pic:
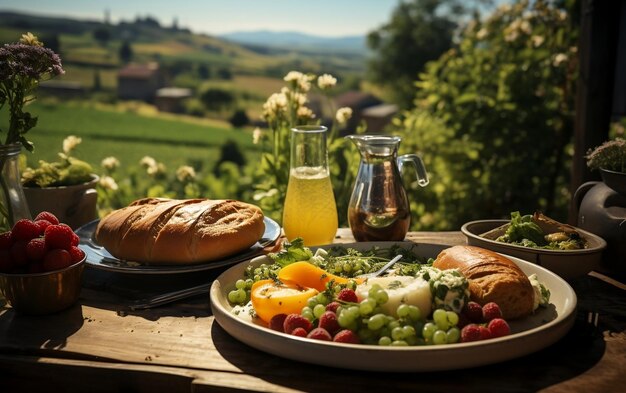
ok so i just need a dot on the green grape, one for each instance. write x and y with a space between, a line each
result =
376 322
399 343
397 333
393 324
366 334
232 296
384 340
415 314
249 283
322 298
453 335
345 319
408 331
306 309
453 318
439 337
441 319
428 330
351 284
240 284
412 340
366 307
354 311
312 302
381 296
372 291
308 314
318 310
347 268
385 331
403 310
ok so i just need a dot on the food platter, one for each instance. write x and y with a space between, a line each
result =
528 335
98 257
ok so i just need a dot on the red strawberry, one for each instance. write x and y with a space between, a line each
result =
76 253
18 253
300 332
499 327
56 259
277 322
473 311
6 262
490 311
42 224
470 333
347 295
293 321
36 249
328 321
346 336
75 239
333 306
51 218
59 236
319 334
6 240
25 230
485 334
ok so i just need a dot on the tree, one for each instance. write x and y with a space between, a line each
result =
204 72
217 99
229 152
224 73
239 118
97 83
102 35
126 52
418 32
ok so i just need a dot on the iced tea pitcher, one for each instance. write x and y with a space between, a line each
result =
379 208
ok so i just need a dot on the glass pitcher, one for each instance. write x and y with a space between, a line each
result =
379 208
310 211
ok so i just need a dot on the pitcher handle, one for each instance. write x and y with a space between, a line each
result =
418 164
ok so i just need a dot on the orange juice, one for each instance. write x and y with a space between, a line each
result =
310 211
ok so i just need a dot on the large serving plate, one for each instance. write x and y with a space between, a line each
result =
528 335
99 258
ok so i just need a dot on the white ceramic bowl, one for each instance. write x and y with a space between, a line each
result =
568 264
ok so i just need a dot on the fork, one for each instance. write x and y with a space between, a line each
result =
382 269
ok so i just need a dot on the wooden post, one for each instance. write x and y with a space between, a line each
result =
598 45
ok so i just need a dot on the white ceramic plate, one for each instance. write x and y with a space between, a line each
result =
528 335
98 257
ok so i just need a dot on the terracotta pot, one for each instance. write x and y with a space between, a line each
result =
73 205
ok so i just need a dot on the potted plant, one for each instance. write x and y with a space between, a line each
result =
610 159
66 187
22 66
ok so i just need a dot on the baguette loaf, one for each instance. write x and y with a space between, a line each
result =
169 231
492 278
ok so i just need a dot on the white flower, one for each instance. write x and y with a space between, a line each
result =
537 40
275 105
108 183
343 115
511 35
147 162
525 27
559 59
110 163
256 136
305 113
482 33
185 173
299 98
293 76
326 82
299 80
70 143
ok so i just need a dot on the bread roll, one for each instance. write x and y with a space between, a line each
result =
169 231
492 278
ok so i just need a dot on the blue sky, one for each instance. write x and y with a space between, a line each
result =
318 17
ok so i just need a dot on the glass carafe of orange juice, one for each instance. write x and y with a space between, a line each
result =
310 211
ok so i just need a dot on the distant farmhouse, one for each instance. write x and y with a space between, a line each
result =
170 99
139 82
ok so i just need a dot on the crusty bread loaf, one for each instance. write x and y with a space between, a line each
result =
492 278
169 231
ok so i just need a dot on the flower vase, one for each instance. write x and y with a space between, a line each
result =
13 205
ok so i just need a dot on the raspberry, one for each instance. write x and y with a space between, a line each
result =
36 249
300 332
277 322
490 311
499 327
470 333
56 259
6 240
293 321
346 336
347 295
25 230
18 253
76 253
58 236
485 334
333 306
319 334
42 224
328 321
473 311
51 218
75 239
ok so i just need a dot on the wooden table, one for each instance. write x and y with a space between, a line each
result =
96 347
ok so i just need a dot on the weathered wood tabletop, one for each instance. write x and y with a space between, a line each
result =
100 346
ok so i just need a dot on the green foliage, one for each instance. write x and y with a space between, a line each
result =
610 155
126 52
493 119
239 118
217 99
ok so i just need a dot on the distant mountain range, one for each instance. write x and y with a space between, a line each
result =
298 41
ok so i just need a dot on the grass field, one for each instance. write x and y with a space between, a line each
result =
130 136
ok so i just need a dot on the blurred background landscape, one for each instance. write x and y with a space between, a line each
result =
471 86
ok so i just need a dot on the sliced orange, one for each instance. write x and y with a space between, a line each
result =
305 274
271 298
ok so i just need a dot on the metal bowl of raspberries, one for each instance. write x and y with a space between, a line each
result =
41 266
